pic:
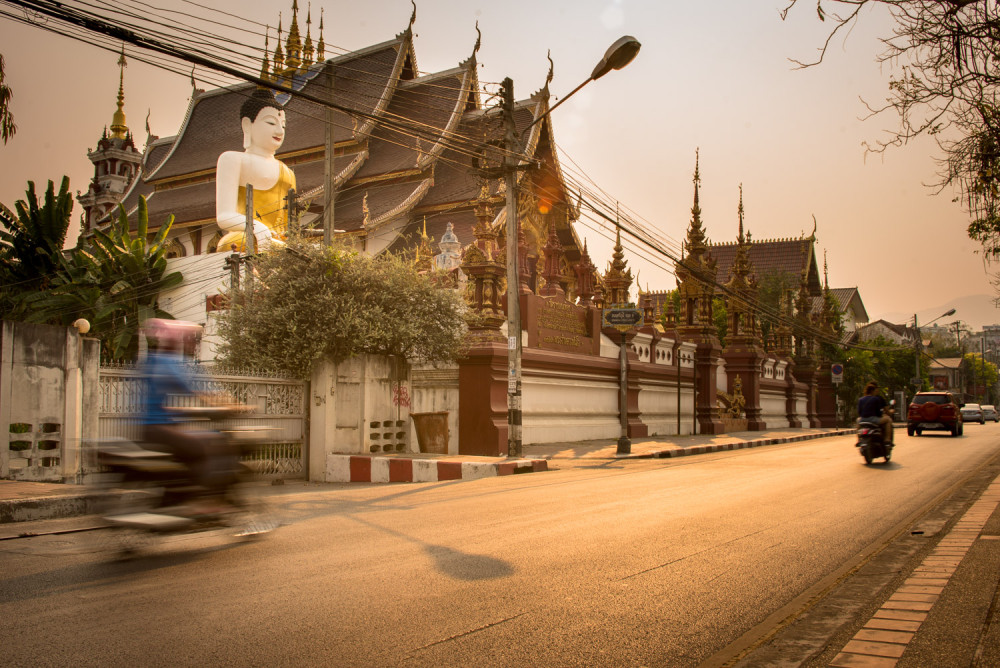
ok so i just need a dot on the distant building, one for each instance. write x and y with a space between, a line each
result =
945 374
903 335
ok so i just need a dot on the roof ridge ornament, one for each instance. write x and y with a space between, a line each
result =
552 69
413 16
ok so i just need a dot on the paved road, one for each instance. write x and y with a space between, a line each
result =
644 562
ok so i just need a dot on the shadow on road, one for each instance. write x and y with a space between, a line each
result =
451 562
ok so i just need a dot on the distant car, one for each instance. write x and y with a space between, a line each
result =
973 413
934 411
990 413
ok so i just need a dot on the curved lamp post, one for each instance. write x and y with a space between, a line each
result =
616 57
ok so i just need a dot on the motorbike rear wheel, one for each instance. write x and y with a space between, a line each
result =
867 454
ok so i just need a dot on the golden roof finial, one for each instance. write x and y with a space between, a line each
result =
740 212
279 55
321 45
307 48
118 128
366 213
265 69
293 45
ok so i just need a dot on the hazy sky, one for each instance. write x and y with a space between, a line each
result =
712 75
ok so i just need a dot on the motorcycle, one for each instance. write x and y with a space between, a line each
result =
148 493
871 441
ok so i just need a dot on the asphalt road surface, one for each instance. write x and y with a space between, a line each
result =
625 563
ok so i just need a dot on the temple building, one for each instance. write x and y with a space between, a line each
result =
401 162
116 164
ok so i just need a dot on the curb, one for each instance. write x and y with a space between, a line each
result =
362 468
703 449
54 507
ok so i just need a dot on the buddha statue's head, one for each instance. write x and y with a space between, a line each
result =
263 122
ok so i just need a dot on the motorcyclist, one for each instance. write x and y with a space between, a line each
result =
209 457
873 405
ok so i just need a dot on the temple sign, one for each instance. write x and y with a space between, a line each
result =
263 123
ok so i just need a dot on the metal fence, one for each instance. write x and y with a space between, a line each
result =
278 408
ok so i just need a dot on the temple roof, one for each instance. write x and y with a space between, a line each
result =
362 82
789 256
410 161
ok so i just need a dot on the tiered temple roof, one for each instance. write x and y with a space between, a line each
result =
404 179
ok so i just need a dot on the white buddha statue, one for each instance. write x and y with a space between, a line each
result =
263 123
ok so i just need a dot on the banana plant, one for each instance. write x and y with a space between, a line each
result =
31 245
114 281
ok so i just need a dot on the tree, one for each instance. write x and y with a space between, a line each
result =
31 245
7 127
311 302
982 375
947 89
114 281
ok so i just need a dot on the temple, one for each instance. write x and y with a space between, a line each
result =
392 180
399 165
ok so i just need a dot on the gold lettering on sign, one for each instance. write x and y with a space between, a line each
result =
562 318
562 340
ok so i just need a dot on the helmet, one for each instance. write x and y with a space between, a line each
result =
171 334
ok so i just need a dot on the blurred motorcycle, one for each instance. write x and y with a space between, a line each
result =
150 493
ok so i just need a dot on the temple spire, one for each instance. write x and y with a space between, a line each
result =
739 211
279 56
293 46
118 128
321 45
826 275
265 67
307 48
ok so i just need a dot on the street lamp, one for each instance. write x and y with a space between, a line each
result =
616 57
919 344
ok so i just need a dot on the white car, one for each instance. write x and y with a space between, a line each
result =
990 413
973 413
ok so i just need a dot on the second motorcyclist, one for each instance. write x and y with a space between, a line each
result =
873 405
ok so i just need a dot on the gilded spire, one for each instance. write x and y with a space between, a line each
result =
293 45
826 275
320 46
279 55
265 68
118 128
739 212
307 48
618 277
696 246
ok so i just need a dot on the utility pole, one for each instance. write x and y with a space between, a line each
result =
917 344
249 239
328 170
511 150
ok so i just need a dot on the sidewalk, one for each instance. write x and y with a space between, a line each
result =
29 501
